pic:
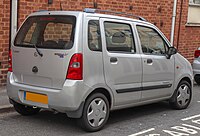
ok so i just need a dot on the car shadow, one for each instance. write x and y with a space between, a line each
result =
138 112
60 122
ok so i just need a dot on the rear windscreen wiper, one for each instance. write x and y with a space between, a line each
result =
38 51
27 44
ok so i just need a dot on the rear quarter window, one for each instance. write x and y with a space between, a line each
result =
94 36
49 32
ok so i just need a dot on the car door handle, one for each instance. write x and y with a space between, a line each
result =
113 60
149 61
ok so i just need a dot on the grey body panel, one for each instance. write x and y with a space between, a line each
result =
124 74
196 65
158 76
51 74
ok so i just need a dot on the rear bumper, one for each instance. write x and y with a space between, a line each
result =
69 99
196 67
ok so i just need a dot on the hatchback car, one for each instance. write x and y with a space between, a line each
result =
196 66
86 64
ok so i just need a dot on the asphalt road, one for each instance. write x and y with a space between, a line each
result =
150 120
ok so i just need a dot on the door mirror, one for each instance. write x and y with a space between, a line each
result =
171 52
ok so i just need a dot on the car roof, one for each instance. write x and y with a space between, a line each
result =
77 13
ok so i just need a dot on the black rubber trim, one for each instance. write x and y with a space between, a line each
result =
77 113
156 87
129 90
143 88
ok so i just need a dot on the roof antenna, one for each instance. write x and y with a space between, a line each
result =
61 6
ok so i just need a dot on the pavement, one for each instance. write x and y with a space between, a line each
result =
5 105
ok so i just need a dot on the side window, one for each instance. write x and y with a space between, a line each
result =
151 41
94 37
119 37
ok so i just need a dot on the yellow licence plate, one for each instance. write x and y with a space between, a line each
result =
35 97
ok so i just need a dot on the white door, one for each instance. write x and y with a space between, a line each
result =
122 63
158 71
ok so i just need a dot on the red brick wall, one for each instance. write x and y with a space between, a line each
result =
189 36
143 8
4 39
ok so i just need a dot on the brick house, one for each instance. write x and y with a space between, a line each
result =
159 12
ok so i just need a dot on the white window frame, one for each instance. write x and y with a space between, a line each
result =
193 14
192 2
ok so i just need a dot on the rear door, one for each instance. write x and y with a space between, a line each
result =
158 71
46 66
122 63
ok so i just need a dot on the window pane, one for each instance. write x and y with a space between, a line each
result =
58 32
151 41
50 32
28 36
94 37
196 1
119 37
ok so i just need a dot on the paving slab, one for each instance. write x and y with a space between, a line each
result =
5 105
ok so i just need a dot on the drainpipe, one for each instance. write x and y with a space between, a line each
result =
13 19
179 25
173 22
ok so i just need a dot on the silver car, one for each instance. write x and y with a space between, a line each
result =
196 66
86 64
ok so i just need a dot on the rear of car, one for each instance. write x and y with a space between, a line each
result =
196 66
46 62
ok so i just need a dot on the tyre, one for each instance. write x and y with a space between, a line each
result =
25 110
182 96
95 113
197 79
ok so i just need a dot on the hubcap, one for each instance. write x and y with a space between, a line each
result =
183 95
96 112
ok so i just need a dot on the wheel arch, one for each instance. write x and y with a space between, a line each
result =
186 77
105 92
173 100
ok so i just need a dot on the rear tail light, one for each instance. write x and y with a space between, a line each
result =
197 53
75 68
10 61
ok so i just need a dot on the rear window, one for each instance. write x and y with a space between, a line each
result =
49 32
